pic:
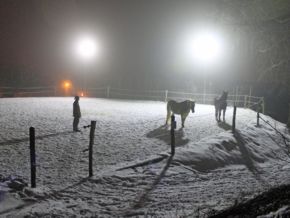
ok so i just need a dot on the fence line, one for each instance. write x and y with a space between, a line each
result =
152 91
98 88
134 95
44 87
246 101
43 91
31 92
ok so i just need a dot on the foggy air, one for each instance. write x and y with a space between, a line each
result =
144 108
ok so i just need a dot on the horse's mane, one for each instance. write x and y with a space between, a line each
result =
224 96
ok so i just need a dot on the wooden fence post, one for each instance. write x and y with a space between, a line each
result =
166 95
258 118
173 126
250 95
108 91
32 156
237 92
263 105
288 123
92 136
245 101
234 119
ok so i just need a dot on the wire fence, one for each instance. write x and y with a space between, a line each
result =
273 126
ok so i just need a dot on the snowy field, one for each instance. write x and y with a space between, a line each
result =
211 170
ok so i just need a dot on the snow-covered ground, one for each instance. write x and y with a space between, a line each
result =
211 170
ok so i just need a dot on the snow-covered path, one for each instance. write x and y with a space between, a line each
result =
128 132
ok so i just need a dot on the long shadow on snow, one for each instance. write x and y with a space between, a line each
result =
15 141
224 125
244 151
141 201
162 133
54 194
248 158
284 149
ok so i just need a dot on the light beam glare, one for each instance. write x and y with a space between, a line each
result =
204 47
87 48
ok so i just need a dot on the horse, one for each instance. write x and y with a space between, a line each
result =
182 108
221 105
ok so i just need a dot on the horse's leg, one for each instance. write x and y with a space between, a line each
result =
183 117
220 113
224 114
182 121
216 113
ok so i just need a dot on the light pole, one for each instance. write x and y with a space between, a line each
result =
205 48
86 48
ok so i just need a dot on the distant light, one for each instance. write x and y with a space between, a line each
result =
87 48
205 47
81 93
66 84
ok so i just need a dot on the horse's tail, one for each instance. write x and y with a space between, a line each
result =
215 101
169 105
169 108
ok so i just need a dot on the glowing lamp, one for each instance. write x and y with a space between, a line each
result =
205 47
86 48
66 84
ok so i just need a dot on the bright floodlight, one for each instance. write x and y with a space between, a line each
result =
87 48
205 47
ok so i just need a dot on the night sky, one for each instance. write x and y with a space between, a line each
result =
139 41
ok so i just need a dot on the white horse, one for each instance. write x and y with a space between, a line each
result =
182 108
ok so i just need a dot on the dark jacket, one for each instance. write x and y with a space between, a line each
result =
76 109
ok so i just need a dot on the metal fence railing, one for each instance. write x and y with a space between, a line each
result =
246 101
27 91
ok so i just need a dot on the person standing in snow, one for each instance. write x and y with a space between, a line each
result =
76 114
